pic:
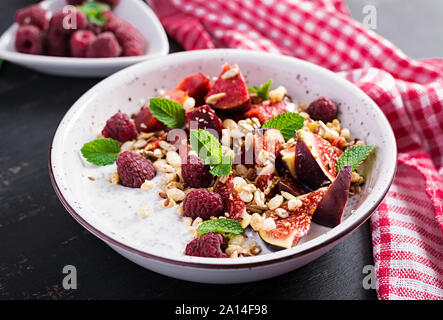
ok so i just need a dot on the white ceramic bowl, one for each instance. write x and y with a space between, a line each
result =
114 219
136 12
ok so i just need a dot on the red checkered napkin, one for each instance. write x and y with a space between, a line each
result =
407 227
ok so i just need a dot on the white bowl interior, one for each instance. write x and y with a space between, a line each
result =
114 213
134 11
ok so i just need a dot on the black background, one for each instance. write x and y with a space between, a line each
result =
38 237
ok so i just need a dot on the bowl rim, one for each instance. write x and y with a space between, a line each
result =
214 263
13 55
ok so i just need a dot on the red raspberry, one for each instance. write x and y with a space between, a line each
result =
204 117
29 39
146 122
210 245
133 169
34 15
113 22
195 173
202 203
120 127
58 20
104 46
80 42
131 40
57 43
323 109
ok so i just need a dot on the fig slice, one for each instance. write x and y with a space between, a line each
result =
330 208
236 97
292 186
197 86
287 161
296 225
315 159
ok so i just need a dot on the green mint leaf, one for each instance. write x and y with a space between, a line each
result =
288 123
93 10
209 149
354 156
101 152
167 111
263 90
224 226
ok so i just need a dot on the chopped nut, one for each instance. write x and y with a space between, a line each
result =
294 204
282 213
173 159
275 202
189 103
180 209
287 195
245 127
277 94
356 178
187 221
239 183
166 146
304 115
212 99
226 138
237 240
127 146
167 203
246 196
231 73
268 224
157 153
169 177
198 221
147 185
144 212
256 221
176 194
230 124
115 178
259 199
140 144
345 133
254 249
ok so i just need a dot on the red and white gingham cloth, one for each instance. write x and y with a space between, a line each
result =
407 228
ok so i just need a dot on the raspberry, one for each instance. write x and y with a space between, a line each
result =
57 43
29 39
195 173
113 22
80 42
34 15
120 127
146 122
61 18
133 169
210 245
104 46
323 109
131 40
204 117
202 203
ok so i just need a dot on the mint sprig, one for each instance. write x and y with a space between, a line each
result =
101 152
354 156
209 149
168 111
263 90
93 12
224 226
288 123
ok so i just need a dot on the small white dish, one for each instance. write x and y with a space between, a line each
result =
136 12
158 242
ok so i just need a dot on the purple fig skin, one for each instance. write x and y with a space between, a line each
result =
306 167
330 208
293 187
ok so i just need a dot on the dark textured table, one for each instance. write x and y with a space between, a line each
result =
38 237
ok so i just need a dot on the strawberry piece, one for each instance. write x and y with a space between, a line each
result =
197 86
237 96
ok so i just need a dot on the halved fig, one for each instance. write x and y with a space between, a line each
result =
315 159
197 86
296 225
146 122
236 97
330 208
232 204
